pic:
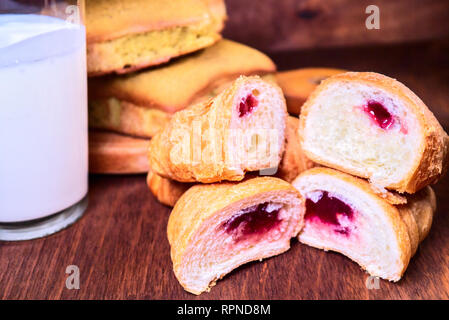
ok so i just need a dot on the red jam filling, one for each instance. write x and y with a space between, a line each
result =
247 105
379 114
327 209
251 221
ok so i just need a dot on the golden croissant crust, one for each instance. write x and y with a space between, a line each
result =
374 127
293 162
214 228
344 214
241 129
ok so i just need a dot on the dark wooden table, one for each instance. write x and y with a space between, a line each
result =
122 252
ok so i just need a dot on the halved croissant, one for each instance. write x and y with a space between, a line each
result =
344 214
214 228
374 127
293 162
242 129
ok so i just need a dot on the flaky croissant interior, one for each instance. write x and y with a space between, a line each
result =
344 217
255 139
241 129
364 129
252 229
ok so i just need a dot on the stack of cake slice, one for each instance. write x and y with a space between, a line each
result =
149 59
128 35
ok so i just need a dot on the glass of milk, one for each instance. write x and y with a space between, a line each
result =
43 117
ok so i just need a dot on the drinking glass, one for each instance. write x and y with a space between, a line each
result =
43 117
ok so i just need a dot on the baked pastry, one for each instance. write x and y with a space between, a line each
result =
113 153
422 205
141 103
293 162
344 214
298 84
127 35
374 127
165 190
214 228
241 129
125 117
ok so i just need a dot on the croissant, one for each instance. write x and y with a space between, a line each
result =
214 228
374 127
293 162
298 84
241 129
165 190
344 214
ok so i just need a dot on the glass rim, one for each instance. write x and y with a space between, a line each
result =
69 10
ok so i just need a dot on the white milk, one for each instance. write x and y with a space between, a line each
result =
43 116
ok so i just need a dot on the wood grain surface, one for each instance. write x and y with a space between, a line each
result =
122 252
276 25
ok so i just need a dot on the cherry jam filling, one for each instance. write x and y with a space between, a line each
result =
247 105
329 210
257 219
379 114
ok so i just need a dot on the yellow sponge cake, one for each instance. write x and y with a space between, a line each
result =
127 35
141 103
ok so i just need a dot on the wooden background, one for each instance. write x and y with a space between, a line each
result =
121 248
279 25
